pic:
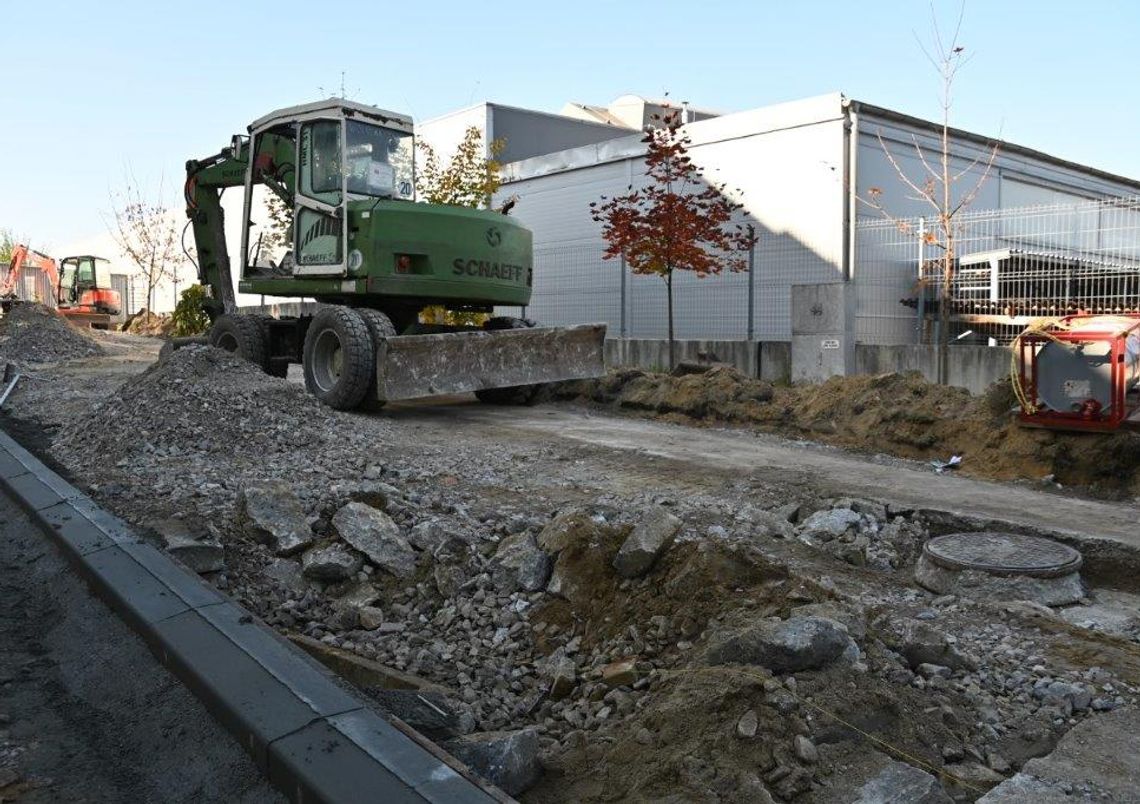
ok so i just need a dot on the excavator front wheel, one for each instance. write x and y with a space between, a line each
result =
242 335
339 358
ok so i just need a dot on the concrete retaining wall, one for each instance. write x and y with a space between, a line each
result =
971 367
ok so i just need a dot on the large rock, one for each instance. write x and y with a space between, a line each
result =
520 564
199 552
649 539
373 533
920 643
287 573
567 528
272 514
1094 761
331 563
831 523
799 643
899 783
507 759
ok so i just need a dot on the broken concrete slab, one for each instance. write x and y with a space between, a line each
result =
199 552
507 759
788 646
272 514
519 563
900 783
372 532
649 539
333 562
1095 761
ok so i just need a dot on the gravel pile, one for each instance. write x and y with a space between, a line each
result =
31 333
637 643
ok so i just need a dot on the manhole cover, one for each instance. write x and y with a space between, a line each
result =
1003 554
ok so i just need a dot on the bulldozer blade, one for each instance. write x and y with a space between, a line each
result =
412 366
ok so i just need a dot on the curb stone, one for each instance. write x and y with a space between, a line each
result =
315 741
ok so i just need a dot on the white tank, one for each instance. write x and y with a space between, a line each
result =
1069 374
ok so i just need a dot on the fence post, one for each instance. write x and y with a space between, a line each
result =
752 283
921 287
622 327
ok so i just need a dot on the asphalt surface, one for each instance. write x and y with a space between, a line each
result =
86 713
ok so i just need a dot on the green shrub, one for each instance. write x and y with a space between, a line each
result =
190 314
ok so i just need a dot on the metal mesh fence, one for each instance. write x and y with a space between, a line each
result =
1009 267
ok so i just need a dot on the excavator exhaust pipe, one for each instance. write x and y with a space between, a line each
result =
413 366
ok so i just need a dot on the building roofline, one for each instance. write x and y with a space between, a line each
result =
535 112
1004 146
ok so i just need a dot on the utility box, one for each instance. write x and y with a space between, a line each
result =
823 331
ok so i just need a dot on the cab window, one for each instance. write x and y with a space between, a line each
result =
320 173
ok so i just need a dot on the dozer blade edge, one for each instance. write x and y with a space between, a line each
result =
413 366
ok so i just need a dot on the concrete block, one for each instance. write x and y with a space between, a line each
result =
79 533
302 675
178 580
243 695
318 763
33 493
130 589
823 331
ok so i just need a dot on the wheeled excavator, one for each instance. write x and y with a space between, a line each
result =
373 257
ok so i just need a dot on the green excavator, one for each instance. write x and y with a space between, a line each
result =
374 258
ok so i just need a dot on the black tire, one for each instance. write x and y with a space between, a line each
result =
380 326
339 358
512 394
242 335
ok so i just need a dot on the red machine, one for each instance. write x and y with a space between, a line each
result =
83 293
1080 372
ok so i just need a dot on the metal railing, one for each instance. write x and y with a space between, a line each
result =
1009 267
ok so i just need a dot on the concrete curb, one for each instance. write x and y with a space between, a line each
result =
315 741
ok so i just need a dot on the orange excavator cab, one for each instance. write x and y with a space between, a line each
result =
82 291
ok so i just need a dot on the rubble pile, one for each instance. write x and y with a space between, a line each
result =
32 333
579 643
898 414
145 322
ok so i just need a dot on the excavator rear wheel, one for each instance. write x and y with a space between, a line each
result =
380 326
339 358
242 335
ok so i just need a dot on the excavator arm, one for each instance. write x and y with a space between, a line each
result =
206 180
24 257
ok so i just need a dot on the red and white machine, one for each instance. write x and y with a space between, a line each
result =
1080 372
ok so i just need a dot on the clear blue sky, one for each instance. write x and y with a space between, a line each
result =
90 88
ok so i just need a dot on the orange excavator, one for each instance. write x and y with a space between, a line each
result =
82 291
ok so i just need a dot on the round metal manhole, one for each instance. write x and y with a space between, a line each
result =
1003 554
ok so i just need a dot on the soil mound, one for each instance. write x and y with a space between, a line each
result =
199 401
146 323
32 333
896 414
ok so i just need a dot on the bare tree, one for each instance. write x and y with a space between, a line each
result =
937 187
147 230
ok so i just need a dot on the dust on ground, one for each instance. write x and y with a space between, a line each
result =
513 605
898 414
31 334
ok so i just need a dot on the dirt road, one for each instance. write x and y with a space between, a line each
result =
719 452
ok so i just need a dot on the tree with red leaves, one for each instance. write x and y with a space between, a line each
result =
677 222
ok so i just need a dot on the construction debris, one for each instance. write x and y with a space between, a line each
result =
31 333
657 637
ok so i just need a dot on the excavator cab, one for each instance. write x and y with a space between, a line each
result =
84 295
318 159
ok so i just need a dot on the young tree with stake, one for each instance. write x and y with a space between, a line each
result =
148 233
937 186
677 222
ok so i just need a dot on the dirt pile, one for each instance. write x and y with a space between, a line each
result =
145 322
895 414
32 333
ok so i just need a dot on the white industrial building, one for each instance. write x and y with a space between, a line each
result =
798 168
